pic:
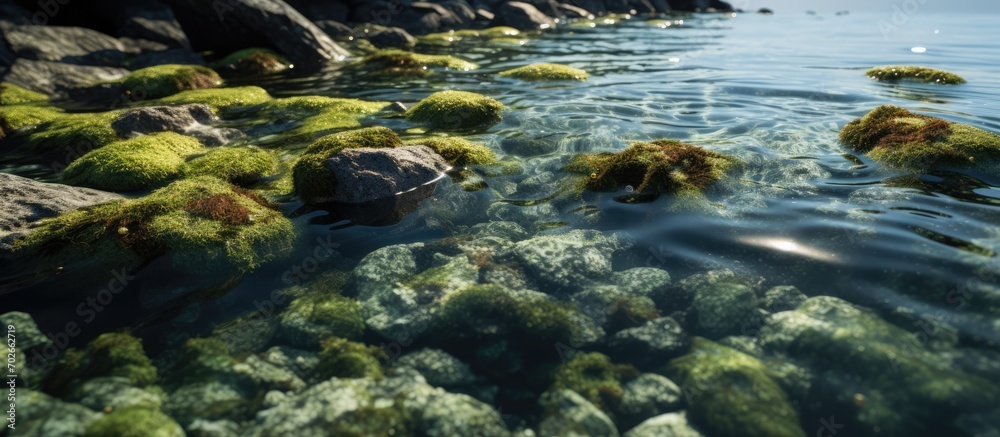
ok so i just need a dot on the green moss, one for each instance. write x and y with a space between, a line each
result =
134 421
629 312
456 110
316 115
16 117
111 354
343 358
239 165
143 162
900 138
457 151
74 133
321 314
662 166
596 378
201 360
546 72
206 224
474 35
398 62
374 420
312 178
892 73
732 394
164 80
252 61
220 99
14 95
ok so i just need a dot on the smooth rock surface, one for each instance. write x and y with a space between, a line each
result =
190 120
366 174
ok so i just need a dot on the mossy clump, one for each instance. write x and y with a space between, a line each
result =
252 61
398 62
315 115
134 421
900 138
204 223
494 34
74 134
593 376
546 72
459 152
220 99
15 117
143 162
164 80
312 178
14 95
732 394
456 110
892 73
629 312
239 165
201 360
310 318
657 167
110 354
343 358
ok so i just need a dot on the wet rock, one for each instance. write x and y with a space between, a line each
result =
301 363
666 425
39 414
153 21
311 318
503 229
26 201
213 428
782 298
526 216
522 16
190 120
208 401
647 396
70 45
63 80
569 414
421 18
642 281
392 37
568 260
438 367
164 57
365 174
651 344
680 296
269 376
27 332
112 391
724 308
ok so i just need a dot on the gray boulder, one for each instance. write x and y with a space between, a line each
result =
642 281
569 415
366 174
153 21
652 344
70 45
438 367
60 79
573 259
190 120
41 415
26 201
665 425
522 16
725 308
647 396
392 37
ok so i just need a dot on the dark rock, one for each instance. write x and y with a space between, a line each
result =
651 344
765 11
12 13
547 7
522 16
571 11
190 120
421 18
460 9
392 37
365 174
71 45
319 10
26 201
720 6
153 21
56 78
173 56
689 5
335 28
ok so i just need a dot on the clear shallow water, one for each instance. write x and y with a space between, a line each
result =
773 90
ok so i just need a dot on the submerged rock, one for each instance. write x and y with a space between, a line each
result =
569 414
647 396
666 425
651 344
39 414
598 380
892 73
568 260
900 138
546 72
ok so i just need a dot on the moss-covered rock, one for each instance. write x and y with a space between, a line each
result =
499 34
252 61
239 165
892 73
402 63
732 394
206 224
74 134
596 378
629 312
900 138
546 72
220 99
459 152
111 354
315 316
14 117
314 115
658 167
164 80
11 94
134 421
312 177
456 110
342 358
143 162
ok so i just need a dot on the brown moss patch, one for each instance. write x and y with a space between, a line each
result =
219 207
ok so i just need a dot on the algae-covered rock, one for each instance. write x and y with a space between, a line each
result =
456 110
311 116
343 358
501 34
665 425
458 151
143 162
11 94
900 138
567 260
111 354
398 62
724 308
39 414
239 165
70 134
114 392
252 61
546 72
164 80
651 344
658 167
569 414
15 117
205 224
220 99
892 73
192 120
859 358
647 396
732 394
597 379
134 421
315 316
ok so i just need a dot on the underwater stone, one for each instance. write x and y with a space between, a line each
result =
134 420
266 375
897 137
503 229
642 281
892 73
39 414
782 298
115 392
647 396
213 428
569 414
724 308
565 261
652 343
313 317
666 425
438 367
208 400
